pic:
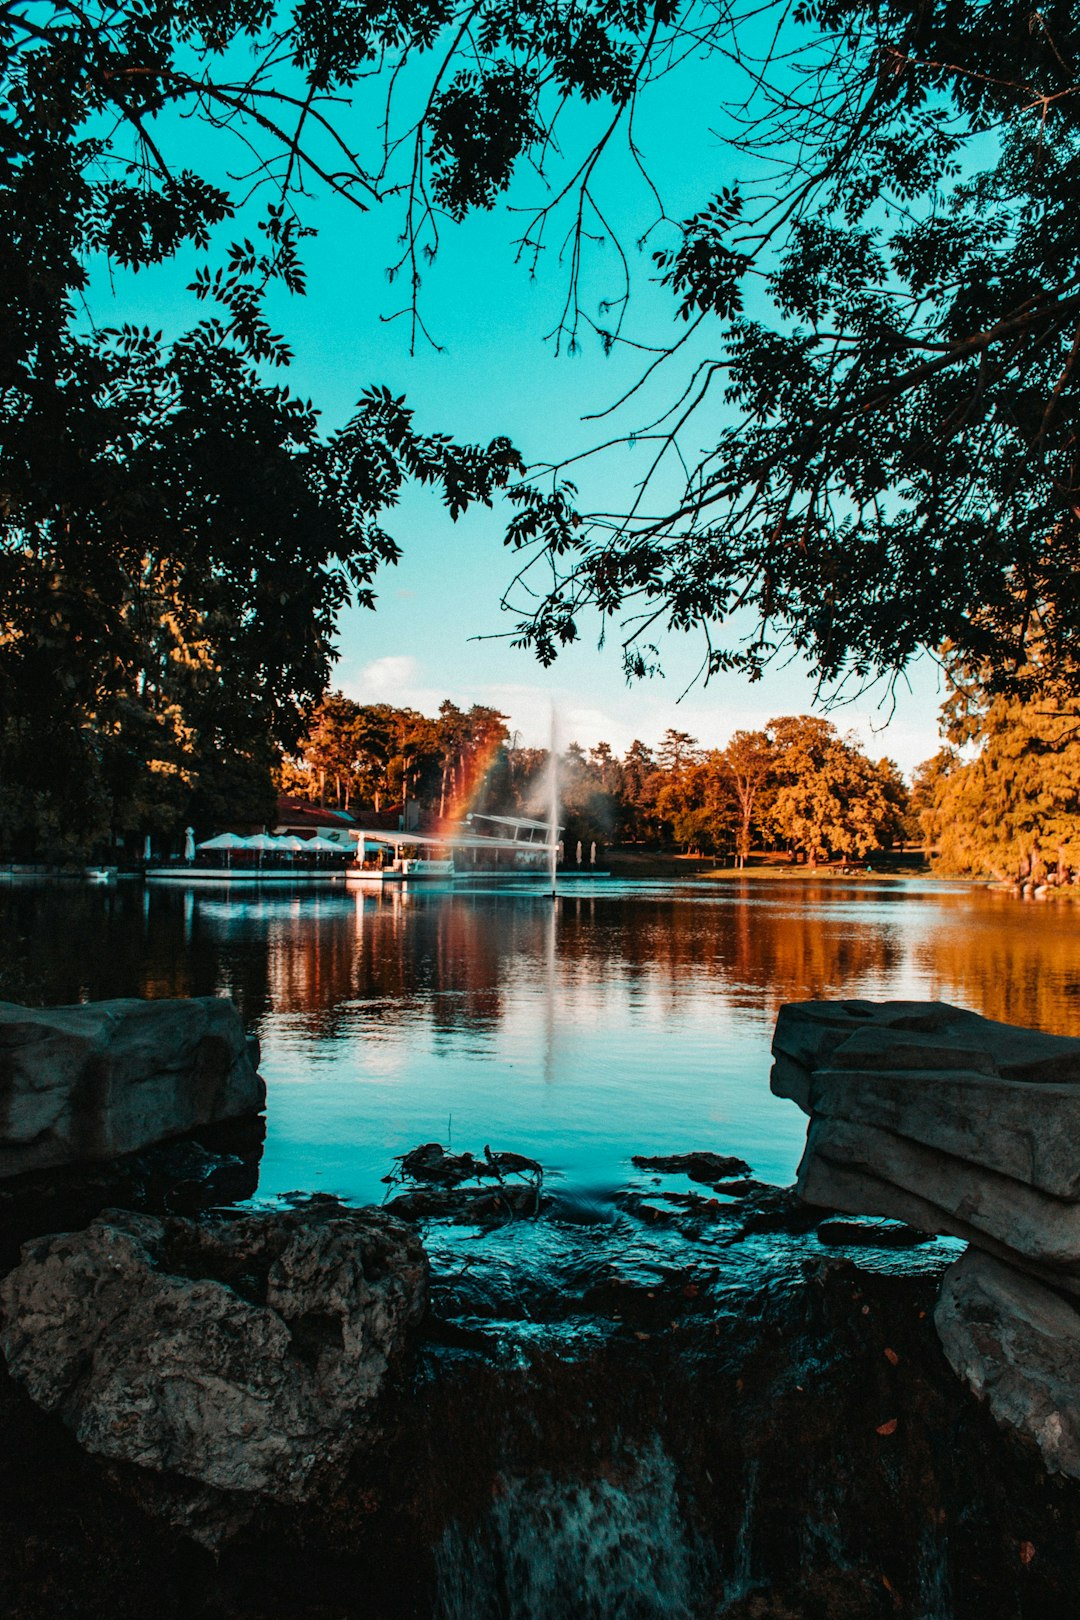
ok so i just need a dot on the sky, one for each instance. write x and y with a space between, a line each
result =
438 631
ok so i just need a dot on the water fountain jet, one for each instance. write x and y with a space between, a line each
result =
553 805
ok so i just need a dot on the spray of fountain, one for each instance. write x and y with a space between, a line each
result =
553 805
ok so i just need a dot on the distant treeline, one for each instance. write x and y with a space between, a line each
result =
798 784
1001 799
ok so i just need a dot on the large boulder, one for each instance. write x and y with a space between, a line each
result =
963 1126
936 1116
89 1083
1016 1343
245 1353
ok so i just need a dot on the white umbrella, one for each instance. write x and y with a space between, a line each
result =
324 846
223 841
189 843
290 843
261 842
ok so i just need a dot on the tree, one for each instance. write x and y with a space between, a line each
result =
898 462
469 741
832 799
899 466
140 578
927 786
750 762
676 748
698 802
640 779
1011 808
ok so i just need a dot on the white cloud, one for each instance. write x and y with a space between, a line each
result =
389 674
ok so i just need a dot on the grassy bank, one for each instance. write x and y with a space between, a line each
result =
633 862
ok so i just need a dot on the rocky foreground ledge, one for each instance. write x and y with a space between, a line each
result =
90 1084
957 1124
494 1399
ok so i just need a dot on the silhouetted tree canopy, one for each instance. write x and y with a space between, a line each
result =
890 306
877 334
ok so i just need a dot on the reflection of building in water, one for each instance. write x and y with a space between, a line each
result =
400 954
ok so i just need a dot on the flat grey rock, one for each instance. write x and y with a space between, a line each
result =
999 1124
1045 1230
959 1125
921 1035
1016 1344
83 1084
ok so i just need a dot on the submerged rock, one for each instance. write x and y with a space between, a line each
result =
439 1189
709 1168
243 1353
86 1084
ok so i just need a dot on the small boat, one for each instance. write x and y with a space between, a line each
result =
100 874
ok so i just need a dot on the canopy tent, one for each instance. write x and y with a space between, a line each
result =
267 844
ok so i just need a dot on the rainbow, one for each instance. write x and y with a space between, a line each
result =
472 773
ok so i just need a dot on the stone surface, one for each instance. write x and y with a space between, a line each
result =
90 1083
245 1353
1016 1343
967 1199
810 1032
959 1125
1028 1134
929 1113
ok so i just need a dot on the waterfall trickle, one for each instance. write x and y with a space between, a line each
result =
562 1549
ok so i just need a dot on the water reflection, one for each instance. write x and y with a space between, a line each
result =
620 1019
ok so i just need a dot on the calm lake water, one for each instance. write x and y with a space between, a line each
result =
626 1018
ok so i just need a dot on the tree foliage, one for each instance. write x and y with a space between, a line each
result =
177 537
832 799
798 781
881 313
890 300
1003 799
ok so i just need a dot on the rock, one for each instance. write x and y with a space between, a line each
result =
809 1033
870 1235
708 1168
935 1116
956 1124
1016 1343
214 1166
91 1083
973 1116
965 1199
245 1353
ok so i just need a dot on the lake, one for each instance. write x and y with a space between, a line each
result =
625 1018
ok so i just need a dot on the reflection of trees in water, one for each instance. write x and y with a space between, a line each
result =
1007 960
784 951
87 943
441 958
454 961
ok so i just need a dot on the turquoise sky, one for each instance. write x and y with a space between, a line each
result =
497 375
